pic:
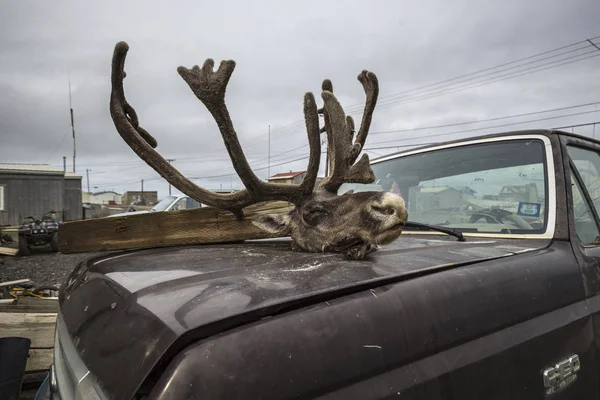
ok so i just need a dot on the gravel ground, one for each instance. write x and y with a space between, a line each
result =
42 266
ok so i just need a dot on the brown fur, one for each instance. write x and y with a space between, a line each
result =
322 221
354 223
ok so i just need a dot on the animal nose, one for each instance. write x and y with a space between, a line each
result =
385 210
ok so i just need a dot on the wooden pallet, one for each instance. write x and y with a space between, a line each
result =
35 319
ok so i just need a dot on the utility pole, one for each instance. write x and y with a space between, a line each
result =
72 122
87 172
142 187
170 160
269 170
64 164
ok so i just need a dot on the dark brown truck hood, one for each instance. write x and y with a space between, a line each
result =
127 312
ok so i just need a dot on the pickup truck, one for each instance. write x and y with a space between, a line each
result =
492 293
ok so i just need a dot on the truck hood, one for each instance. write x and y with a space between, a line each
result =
126 312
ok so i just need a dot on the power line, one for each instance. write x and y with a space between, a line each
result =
57 147
470 122
491 127
384 99
433 143
519 73
546 66
193 159
392 99
487 119
461 131
428 127
417 97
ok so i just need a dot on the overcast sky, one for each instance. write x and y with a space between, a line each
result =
282 50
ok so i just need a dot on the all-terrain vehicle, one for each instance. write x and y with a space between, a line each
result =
38 232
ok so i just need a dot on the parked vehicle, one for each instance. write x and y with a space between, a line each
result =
35 231
493 292
167 204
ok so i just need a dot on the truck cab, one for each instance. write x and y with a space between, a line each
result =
493 293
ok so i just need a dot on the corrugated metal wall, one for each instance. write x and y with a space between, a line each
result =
29 194
73 207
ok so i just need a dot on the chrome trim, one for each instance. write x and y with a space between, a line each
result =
71 377
551 184
52 380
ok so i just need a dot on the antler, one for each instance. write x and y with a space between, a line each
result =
210 86
340 131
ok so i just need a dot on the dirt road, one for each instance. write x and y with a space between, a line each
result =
42 266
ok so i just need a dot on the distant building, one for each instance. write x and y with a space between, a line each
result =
294 178
438 198
105 197
288 177
140 198
35 189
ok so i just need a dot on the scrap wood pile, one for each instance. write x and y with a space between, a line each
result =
316 218
29 311
5 238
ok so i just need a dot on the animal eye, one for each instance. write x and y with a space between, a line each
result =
313 217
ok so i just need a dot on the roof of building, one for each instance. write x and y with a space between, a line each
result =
287 175
72 175
105 191
31 169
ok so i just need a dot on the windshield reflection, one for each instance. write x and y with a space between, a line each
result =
163 204
494 187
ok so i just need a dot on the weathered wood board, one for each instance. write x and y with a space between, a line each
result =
35 319
33 305
38 327
39 360
7 251
196 226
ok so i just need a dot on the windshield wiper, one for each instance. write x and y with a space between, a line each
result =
451 232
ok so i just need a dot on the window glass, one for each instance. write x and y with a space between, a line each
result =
492 187
587 163
586 229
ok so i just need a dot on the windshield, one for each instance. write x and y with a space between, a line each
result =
163 204
493 187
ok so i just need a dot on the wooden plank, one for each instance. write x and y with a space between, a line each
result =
15 283
7 251
196 226
36 308
38 327
29 300
27 304
39 360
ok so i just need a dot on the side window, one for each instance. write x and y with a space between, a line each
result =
585 226
587 163
180 205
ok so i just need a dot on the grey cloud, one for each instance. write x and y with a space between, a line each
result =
282 50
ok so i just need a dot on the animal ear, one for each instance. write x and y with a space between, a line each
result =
273 223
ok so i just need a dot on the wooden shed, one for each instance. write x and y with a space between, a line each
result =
35 189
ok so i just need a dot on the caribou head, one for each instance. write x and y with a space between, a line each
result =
322 220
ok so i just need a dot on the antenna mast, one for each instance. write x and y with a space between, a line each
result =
72 122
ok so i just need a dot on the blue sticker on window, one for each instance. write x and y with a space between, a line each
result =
529 209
